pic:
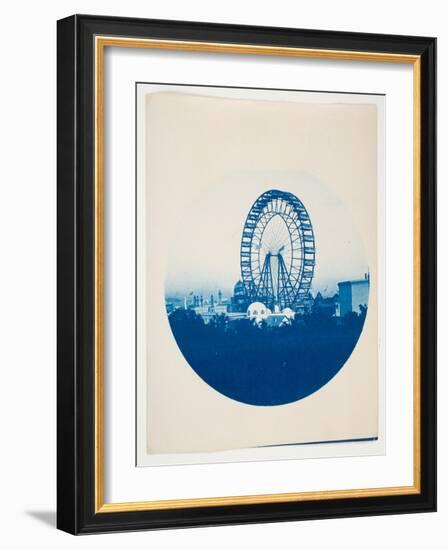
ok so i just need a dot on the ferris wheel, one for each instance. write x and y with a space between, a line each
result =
277 251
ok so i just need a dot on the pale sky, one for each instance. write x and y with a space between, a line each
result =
205 256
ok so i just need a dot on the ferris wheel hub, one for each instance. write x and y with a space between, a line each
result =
277 251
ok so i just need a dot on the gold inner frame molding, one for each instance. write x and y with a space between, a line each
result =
101 42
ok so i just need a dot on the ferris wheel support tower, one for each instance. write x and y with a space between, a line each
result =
278 251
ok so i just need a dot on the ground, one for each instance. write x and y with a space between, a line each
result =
266 365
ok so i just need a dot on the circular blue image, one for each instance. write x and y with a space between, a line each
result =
283 330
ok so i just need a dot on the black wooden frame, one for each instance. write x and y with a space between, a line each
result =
75 405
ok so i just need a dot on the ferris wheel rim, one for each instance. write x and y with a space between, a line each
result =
297 280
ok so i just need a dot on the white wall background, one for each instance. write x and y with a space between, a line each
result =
28 273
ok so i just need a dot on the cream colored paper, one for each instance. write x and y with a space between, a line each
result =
196 146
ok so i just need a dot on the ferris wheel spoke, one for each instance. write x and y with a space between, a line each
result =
272 250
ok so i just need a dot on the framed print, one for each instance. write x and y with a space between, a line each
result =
246 274
254 286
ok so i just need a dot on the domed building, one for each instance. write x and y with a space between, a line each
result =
239 299
288 313
257 312
238 289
